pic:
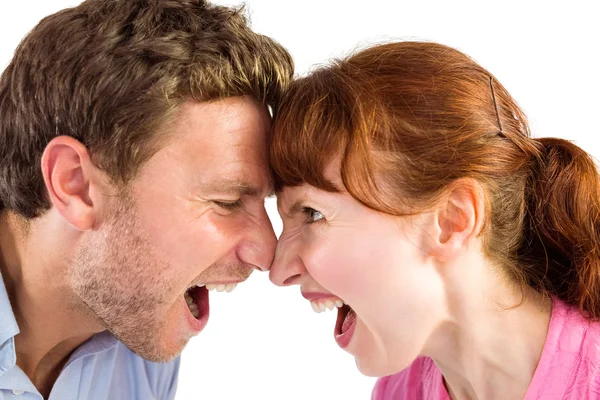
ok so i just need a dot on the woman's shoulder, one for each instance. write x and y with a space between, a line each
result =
570 363
421 380
571 332
588 368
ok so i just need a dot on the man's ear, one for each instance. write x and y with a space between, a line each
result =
459 218
72 181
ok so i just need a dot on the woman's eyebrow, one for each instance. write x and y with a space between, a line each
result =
298 206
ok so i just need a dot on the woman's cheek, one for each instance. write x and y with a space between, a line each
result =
339 268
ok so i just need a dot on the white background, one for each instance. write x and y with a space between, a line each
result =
264 342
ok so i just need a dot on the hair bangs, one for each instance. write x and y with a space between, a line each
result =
312 128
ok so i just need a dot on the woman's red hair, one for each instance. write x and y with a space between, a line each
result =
410 118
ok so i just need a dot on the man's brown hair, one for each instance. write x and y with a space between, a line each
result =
111 73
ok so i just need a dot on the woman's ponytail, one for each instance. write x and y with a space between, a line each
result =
560 250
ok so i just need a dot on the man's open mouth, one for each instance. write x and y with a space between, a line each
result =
197 301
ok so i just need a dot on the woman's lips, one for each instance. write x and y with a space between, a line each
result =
318 296
321 301
345 326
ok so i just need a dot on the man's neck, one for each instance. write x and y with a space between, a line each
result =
51 323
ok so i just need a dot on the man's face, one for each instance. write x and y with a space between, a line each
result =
194 215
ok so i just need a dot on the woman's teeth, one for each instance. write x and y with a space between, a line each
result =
221 287
320 306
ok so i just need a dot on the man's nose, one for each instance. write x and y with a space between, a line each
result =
261 241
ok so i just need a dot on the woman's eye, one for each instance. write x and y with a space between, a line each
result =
312 215
229 205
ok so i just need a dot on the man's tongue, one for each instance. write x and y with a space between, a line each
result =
348 320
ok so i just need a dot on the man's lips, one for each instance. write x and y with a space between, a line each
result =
226 282
221 285
225 285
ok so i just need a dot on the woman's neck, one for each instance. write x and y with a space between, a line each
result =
491 343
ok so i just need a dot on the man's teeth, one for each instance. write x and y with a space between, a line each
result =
222 287
194 310
320 306
191 305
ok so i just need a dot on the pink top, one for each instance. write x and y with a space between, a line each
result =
569 368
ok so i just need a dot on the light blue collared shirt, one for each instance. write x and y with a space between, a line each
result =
102 368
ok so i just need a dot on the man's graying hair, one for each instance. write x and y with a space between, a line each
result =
111 73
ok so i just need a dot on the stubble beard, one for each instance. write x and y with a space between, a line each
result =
116 276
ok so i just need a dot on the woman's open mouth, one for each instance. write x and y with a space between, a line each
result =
345 326
346 317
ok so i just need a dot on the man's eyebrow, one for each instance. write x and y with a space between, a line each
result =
240 188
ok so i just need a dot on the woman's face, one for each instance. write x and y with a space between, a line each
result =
336 249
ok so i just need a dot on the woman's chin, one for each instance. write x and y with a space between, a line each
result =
374 369
377 366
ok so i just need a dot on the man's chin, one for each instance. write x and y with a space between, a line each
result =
159 354
153 347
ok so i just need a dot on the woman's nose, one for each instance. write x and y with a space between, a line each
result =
287 268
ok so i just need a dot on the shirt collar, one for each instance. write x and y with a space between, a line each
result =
8 330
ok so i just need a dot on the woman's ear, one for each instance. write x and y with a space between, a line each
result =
72 181
459 218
